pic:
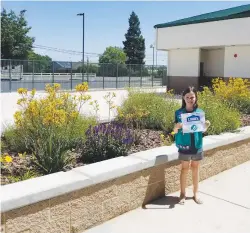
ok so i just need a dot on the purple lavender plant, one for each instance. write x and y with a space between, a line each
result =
106 141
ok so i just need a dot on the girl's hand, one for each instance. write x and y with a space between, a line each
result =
177 127
207 124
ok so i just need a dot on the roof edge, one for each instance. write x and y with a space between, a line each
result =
190 20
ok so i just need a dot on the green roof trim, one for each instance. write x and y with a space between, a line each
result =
242 11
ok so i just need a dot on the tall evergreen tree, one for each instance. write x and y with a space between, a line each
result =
134 45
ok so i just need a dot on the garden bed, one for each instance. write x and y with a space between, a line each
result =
57 137
22 168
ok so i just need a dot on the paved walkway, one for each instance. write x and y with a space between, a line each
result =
226 209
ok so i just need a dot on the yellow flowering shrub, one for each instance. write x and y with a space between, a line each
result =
6 158
12 171
167 140
82 87
234 87
236 92
52 125
5 162
223 117
56 109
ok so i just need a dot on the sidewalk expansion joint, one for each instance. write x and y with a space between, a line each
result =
225 200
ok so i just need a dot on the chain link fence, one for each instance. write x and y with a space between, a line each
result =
36 74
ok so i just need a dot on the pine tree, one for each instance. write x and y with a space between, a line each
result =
134 45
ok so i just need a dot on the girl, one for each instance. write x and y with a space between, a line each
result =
189 144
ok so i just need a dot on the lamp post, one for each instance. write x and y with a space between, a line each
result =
152 46
156 58
82 14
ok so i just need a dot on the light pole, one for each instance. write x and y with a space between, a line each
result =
82 14
152 46
156 58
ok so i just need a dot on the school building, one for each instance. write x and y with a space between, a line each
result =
206 46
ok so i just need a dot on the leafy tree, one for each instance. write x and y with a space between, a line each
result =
112 62
41 63
88 68
134 45
113 55
15 42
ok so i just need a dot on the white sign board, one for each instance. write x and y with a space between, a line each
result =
193 122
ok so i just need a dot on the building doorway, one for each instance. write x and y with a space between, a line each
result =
202 78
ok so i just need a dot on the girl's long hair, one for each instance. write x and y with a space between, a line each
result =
186 91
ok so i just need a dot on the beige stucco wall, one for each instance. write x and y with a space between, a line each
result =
82 209
239 66
183 62
219 33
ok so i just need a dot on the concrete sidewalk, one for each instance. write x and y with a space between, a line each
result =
226 209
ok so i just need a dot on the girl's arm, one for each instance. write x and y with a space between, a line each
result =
177 127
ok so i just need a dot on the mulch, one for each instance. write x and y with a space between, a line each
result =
245 119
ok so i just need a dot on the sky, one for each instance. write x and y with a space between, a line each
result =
56 24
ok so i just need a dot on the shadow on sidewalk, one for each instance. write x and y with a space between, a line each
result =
156 191
167 202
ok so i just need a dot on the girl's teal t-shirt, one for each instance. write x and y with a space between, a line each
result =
188 143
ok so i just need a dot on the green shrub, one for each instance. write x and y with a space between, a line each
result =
149 110
77 129
51 153
26 176
223 118
13 140
241 103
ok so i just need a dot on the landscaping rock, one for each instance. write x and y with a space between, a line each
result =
245 119
149 139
